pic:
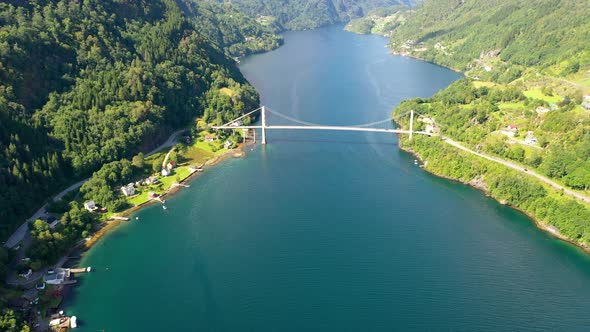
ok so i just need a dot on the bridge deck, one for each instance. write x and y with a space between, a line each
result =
339 128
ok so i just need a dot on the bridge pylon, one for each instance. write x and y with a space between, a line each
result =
411 123
263 111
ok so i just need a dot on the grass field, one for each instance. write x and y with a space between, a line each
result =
537 94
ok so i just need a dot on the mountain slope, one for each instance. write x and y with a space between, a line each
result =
488 37
303 14
85 83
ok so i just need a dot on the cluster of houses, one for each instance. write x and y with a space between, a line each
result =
512 130
543 109
228 144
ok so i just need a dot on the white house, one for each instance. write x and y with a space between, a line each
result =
59 277
510 131
128 190
228 144
90 206
165 172
586 103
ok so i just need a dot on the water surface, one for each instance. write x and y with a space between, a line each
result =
332 231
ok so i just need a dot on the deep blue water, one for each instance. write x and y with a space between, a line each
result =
332 231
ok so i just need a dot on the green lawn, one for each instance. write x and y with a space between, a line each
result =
537 94
479 84
179 174
511 106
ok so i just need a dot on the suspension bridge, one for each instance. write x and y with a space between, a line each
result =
303 125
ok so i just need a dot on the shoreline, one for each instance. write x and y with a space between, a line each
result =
113 223
483 189
412 56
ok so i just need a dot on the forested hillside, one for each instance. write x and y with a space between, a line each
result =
499 39
527 100
83 83
380 21
309 14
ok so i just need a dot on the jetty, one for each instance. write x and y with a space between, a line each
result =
81 270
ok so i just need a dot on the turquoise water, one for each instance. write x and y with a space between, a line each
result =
332 231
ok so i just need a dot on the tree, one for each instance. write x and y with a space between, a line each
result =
138 161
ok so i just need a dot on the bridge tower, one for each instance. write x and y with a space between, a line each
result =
411 123
263 111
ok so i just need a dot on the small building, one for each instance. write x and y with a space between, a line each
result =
210 138
510 131
171 165
530 139
128 190
151 180
228 144
586 103
236 123
60 277
542 110
90 206
165 172
431 129
152 195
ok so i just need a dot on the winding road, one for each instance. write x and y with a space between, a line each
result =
519 168
21 231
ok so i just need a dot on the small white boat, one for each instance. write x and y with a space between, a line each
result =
164 207
73 323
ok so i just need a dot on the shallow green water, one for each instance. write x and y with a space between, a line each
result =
332 231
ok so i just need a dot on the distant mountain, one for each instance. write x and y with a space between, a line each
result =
309 14
487 36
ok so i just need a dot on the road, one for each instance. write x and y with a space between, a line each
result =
21 232
519 168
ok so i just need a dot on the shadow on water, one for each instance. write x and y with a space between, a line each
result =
211 308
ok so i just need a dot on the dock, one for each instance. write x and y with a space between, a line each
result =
119 218
81 270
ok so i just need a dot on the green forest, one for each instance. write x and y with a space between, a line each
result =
87 83
305 14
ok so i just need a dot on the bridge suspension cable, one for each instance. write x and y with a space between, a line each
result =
292 119
316 124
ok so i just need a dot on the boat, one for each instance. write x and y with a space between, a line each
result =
73 323
415 162
164 207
